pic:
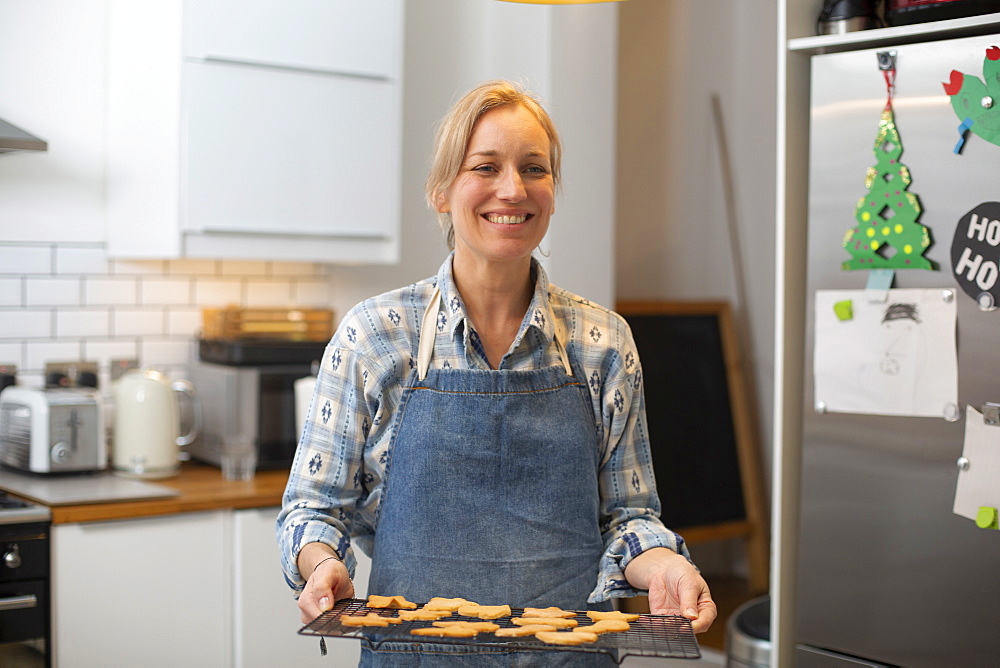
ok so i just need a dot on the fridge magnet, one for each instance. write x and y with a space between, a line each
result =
977 104
894 358
977 495
975 250
887 234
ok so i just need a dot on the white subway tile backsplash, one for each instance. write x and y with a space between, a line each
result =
165 291
80 323
183 321
317 294
243 268
212 292
103 351
268 293
138 267
25 259
291 269
81 260
110 292
11 353
11 291
164 352
52 292
137 322
37 353
25 324
192 267
61 302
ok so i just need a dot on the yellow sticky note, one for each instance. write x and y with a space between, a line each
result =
844 310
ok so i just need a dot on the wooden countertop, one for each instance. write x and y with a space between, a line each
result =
201 488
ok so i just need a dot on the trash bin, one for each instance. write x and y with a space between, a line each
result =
748 635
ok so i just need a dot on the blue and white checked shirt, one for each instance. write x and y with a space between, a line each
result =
336 479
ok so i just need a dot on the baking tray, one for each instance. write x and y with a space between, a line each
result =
664 636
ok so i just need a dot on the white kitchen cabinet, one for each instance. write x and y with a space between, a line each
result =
339 36
144 592
265 617
255 130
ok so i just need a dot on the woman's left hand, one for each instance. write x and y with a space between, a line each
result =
675 586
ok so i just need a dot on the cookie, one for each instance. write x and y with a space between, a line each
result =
395 602
519 631
484 611
566 637
597 615
548 612
371 619
605 626
449 604
479 626
557 622
422 614
446 631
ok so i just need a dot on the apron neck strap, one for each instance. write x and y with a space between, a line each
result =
428 332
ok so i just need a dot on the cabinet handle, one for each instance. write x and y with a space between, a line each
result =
18 602
216 60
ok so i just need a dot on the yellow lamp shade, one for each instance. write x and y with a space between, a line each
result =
560 2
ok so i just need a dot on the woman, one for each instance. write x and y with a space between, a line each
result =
482 433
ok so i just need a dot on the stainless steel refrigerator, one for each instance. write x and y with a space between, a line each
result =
887 573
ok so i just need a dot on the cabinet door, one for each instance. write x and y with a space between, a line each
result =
265 617
277 152
149 592
351 36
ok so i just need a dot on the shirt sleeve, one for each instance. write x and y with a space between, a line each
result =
327 480
630 506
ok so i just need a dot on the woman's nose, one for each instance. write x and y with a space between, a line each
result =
511 187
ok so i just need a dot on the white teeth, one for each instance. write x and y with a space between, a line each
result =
507 220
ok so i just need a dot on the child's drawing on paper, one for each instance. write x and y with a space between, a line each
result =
894 358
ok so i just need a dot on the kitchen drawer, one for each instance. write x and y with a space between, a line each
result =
277 152
347 36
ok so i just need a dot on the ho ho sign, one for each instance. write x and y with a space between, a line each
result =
975 254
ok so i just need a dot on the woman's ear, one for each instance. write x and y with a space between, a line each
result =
441 202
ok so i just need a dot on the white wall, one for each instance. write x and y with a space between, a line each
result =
565 54
672 226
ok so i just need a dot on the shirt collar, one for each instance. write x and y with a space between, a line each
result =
538 316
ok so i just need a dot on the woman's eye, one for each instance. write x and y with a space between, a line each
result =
483 168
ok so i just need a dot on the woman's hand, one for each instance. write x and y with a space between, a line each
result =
328 581
675 586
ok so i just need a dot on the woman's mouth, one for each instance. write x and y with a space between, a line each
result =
506 220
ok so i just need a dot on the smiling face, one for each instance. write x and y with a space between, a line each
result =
501 200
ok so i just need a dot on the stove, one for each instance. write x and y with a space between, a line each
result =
25 628
17 511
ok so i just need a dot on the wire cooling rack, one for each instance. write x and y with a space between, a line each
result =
664 636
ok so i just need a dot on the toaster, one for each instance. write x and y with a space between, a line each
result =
52 430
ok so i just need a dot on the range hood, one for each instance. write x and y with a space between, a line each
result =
13 138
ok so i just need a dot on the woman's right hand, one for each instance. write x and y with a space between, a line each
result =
327 583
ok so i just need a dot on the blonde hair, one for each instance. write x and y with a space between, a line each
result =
455 130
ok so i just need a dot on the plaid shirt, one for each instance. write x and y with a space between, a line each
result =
336 480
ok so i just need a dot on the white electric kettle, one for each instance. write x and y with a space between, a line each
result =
147 430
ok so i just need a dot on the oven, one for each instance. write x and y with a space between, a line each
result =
25 631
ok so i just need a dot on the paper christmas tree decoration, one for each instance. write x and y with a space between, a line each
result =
977 104
887 235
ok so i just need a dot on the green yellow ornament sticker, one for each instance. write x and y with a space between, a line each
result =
887 235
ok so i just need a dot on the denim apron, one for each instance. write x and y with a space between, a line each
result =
491 495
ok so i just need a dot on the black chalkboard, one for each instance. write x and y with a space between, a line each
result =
690 418
701 432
